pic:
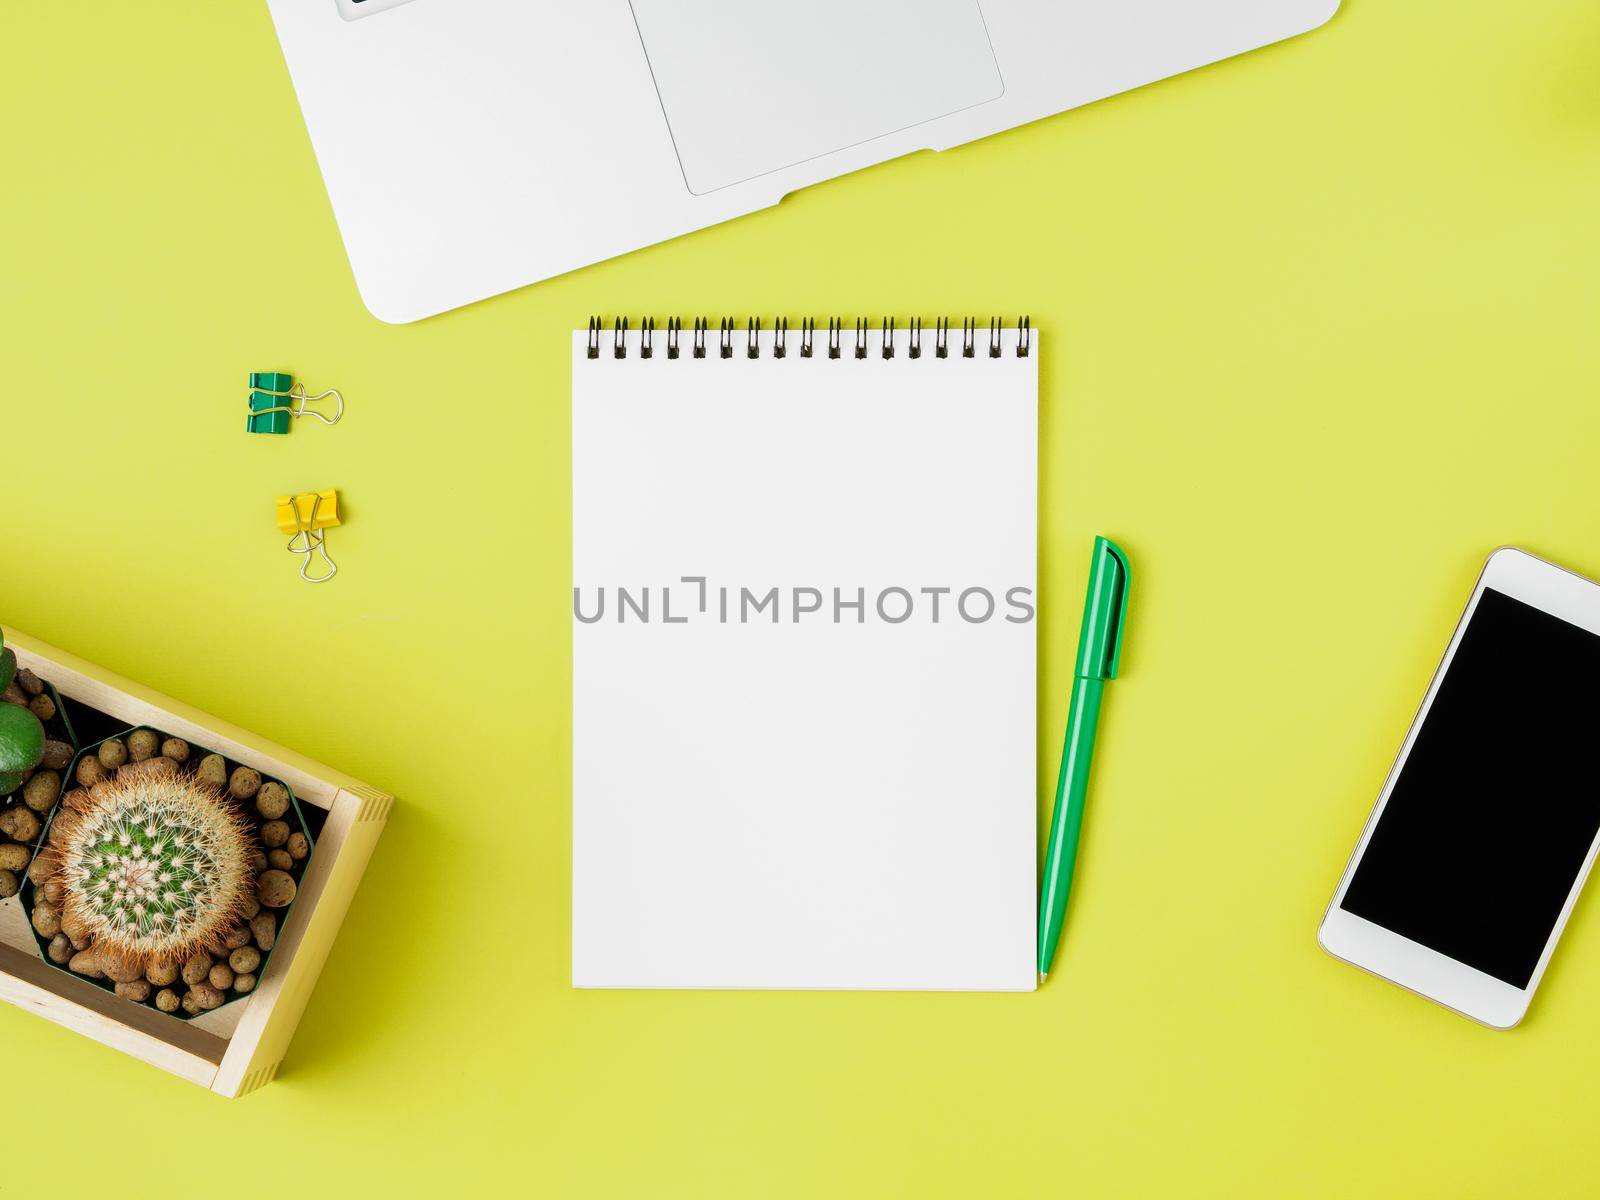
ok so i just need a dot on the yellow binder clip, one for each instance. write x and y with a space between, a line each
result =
305 517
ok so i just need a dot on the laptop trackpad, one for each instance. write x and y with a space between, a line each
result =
753 88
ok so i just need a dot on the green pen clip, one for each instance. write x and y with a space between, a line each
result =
1105 608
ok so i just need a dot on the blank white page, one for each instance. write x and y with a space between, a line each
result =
772 786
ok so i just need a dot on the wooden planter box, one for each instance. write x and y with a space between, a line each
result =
237 1048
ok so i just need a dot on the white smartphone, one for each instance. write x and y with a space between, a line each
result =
1489 821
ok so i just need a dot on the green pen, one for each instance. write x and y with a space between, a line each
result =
1099 652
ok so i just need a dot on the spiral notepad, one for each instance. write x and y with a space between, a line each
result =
804 654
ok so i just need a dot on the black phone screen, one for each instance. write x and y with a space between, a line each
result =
1497 805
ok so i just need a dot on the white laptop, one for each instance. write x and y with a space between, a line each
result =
474 146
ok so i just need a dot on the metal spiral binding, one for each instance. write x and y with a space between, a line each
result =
727 329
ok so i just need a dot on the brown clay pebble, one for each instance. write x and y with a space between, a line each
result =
167 1000
43 707
275 889
244 784
56 755
265 928
213 770
73 928
54 892
235 937
13 857
77 799
143 744
275 833
298 846
14 695
196 969
78 943
251 907
244 983
162 973
176 749
41 791
272 801
27 824
29 682
245 959
90 771
280 860
221 976
112 754
206 996
122 972
19 824
190 1004
60 950
85 963
40 869
149 768
137 990
258 860
9 884
46 920
63 825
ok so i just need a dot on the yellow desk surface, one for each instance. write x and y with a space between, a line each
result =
1322 331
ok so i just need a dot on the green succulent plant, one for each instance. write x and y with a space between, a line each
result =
21 734
154 869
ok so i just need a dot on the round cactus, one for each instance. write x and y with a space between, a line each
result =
155 869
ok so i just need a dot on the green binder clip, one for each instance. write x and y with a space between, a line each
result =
269 413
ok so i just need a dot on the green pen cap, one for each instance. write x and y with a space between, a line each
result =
1100 639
